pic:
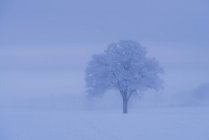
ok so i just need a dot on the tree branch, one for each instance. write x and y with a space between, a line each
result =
130 94
118 83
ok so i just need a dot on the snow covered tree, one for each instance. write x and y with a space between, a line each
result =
125 67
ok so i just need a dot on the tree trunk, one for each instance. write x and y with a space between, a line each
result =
125 105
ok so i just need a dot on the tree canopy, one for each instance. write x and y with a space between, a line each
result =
123 66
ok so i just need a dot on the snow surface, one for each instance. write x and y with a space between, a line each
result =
182 123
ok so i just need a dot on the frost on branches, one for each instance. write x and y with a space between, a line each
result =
123 66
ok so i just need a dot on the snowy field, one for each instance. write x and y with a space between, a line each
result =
182 123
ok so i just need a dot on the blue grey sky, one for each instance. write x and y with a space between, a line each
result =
45 44
65 21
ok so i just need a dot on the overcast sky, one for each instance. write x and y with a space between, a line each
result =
45 44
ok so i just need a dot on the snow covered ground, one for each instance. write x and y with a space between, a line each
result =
182 123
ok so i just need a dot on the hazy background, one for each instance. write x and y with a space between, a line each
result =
45 46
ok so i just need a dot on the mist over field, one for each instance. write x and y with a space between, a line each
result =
32 75
45 47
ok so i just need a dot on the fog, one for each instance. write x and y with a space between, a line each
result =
45 47
80 22
35 76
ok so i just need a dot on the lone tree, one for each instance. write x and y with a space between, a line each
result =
123 66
